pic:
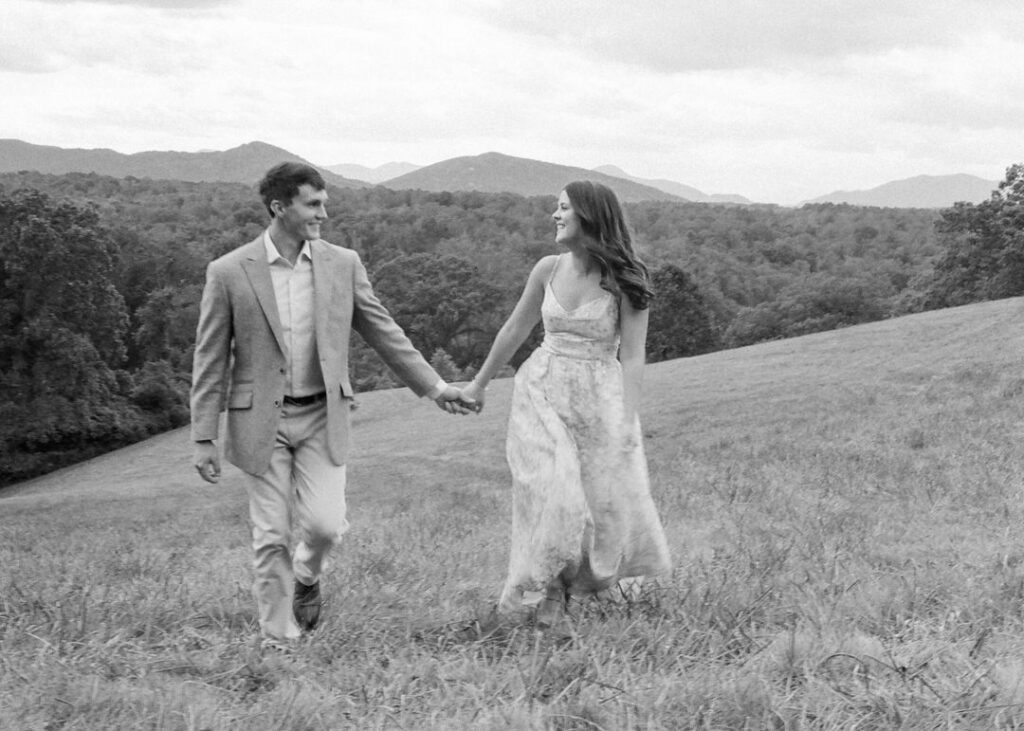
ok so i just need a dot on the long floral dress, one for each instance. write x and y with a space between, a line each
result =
582 504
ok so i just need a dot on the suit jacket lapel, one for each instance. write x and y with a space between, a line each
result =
258 271
326 278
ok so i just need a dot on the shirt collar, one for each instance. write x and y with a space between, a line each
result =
273 254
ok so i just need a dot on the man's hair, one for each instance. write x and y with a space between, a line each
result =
281 183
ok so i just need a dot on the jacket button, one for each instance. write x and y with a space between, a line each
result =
277 403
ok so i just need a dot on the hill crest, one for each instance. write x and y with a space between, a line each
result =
920 191
495 172
245 163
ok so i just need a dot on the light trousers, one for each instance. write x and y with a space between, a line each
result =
297 509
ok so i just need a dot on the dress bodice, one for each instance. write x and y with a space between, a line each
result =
590 331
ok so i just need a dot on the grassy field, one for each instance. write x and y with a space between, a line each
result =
844 511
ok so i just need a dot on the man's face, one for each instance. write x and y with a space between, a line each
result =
302 217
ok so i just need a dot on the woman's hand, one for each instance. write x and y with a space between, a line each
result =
473 396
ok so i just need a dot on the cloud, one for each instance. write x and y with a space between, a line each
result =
971 85
160 4
692 35
22 57
43 36
779 101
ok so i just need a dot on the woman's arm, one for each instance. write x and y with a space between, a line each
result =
632 355
515 330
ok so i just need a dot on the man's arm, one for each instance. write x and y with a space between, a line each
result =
374 323
210 359
210 363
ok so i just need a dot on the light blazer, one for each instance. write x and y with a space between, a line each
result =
239 359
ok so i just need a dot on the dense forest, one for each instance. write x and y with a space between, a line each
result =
102 278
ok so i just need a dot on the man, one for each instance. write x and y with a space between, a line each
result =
272 347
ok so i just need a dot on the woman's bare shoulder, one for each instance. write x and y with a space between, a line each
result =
544 265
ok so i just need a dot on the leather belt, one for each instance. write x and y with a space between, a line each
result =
305 400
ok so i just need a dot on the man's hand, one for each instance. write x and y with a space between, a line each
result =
451 401
207 461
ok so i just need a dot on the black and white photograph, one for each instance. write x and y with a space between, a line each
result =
493 364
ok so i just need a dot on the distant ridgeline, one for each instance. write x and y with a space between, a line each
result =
102 279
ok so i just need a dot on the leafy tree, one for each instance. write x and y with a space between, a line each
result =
62 325
753 325
680 323
167 326
823 302
162 394
984 254
762 272
832 302
366 370
441 302
445 366
58 265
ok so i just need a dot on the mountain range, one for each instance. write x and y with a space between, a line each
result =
921 191
493 172
243 164
490 172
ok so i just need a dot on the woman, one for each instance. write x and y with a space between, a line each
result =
583 517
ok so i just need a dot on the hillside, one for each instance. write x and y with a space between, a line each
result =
243 164
912 349
670 186
843 510
840 507
921 191
493 172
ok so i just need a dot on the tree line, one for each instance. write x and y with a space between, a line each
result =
102 279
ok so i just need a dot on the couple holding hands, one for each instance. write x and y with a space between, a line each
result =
272 349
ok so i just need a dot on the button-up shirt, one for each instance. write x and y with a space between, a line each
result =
293 290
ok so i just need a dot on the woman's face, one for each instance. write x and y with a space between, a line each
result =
567 221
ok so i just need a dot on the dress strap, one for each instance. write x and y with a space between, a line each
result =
551 274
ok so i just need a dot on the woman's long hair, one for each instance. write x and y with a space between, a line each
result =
609 242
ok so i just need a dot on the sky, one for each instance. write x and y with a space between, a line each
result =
776 100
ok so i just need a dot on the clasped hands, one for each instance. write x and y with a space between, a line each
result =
454 400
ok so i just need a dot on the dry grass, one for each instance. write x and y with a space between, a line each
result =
844 511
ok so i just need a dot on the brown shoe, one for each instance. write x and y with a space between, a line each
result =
306 605
552 607
549 612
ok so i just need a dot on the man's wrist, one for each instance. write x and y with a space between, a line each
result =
439 388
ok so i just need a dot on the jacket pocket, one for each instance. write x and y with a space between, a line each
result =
240 399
